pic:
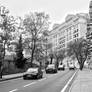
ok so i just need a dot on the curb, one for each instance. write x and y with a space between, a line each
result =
69 83
6 79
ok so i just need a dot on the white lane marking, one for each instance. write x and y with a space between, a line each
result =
42 79
63 90
29 84
13 90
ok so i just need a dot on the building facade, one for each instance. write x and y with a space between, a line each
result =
74 27
89 30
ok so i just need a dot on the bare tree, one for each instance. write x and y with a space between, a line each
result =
34 24
59 55
47 45
79 49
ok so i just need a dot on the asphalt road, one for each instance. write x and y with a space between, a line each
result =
49 83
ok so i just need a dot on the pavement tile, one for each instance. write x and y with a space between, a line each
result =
83 82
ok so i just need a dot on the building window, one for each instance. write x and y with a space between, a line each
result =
74 36
75 31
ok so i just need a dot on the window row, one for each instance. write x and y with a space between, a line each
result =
76 35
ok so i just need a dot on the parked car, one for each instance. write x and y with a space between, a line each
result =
51 68
61 67
33 73
71 67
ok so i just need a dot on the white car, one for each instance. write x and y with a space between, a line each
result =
61 67
33 73
71 67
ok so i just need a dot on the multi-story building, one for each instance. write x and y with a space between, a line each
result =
89 30
74 27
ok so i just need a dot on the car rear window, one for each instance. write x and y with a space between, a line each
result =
51 66
32 69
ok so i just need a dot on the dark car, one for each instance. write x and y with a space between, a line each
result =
51 68
61 67
33 73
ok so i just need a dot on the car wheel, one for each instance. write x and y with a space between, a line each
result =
41 76
24 78
46 72
54 71
38 77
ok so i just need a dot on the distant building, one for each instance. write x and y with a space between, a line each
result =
74 27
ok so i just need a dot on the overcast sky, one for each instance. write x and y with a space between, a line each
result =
57 9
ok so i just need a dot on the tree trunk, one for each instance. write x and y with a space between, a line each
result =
1 68
57 63
32 54
81 67
1 72
32 57
51 60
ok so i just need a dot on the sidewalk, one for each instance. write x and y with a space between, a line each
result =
83 82
11 76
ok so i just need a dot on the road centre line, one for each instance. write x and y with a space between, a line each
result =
63 90
29 84
13 90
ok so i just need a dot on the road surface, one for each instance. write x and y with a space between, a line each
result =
49 83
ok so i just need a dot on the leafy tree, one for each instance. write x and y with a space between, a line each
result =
79 49
59 55
19 60
47 45
7 26
34 24
39 55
